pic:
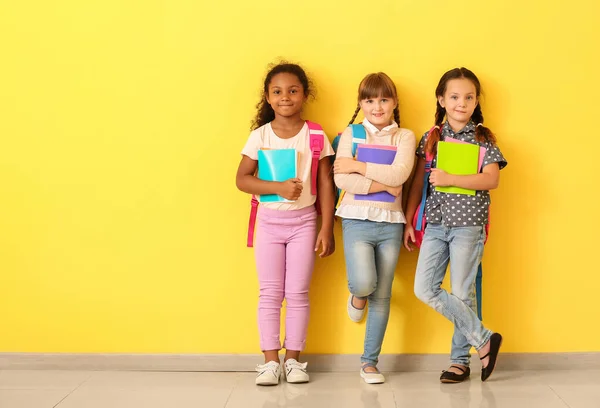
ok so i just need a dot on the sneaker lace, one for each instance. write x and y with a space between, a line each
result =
294 365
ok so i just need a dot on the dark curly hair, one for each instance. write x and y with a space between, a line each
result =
482 134
265 112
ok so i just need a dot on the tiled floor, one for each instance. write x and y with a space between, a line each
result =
88 389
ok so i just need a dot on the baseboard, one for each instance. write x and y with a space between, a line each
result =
247 362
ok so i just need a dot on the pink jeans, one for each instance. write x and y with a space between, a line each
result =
285 257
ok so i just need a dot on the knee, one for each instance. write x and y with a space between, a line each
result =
466 296
271 296
296 298
362 287
424 293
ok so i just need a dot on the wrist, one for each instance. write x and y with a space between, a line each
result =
452 180
360 167
277 187
326 229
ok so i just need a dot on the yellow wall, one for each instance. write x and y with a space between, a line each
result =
119 120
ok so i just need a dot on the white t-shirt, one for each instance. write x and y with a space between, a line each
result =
265 137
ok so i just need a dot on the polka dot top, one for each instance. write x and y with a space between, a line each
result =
460 210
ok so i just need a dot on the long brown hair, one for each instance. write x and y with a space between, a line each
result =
482 134
374 86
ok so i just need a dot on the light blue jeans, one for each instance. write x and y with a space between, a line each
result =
371 250
463 248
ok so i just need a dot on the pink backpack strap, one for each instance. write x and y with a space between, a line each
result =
317 142
428 155
252 221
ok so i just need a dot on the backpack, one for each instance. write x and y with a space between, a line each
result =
317 142
420 222
359 136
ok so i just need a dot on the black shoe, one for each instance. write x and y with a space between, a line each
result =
495 343
448 377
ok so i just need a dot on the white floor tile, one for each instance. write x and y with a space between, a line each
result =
23 398
325 390
80 389
152 389
41 379
503 389
579 396
149 397
143 379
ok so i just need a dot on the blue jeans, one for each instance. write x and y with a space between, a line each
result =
463 248
371 250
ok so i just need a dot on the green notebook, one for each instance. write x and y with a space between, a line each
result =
460 159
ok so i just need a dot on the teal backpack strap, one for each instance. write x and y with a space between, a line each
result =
478 290
359 136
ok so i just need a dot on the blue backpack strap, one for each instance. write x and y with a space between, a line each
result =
359 136
429 160
336 142
478 280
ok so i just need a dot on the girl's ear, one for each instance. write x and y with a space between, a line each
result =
266 96
440 101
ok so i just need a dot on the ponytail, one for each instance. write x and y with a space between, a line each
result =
433 137
482 134
355 114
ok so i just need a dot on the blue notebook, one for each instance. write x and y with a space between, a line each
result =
378 154
276 165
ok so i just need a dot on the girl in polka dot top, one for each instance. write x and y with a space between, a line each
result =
456 223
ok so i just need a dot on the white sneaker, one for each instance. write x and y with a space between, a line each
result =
295 372
372 378
268 374
356 315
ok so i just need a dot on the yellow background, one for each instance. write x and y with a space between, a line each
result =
121 123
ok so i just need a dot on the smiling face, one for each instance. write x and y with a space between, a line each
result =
459 100
286 95
377 97
379 110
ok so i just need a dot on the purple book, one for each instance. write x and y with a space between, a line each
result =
379 154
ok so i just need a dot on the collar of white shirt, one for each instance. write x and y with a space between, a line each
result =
371 127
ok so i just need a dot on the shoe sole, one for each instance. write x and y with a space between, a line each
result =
268 384
297 382
371 381
453 382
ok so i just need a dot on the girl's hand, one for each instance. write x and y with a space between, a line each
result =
291 189
409 236
439 178
326 240
344 165
395 191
